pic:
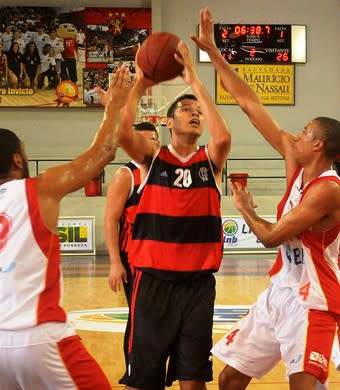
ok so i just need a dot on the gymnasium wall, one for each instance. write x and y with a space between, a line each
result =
64 133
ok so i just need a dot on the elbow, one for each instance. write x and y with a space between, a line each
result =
270 242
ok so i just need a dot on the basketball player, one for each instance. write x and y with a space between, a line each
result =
39 348
121 202
176 243
297 317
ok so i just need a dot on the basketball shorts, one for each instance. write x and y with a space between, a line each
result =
279 327
170 331
127 286
49 356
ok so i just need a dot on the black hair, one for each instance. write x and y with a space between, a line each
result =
172 108
9 144
330 129
141 126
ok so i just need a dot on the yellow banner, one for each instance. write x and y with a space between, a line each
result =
274 84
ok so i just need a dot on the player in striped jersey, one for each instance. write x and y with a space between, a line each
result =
297 317
121 203
176 243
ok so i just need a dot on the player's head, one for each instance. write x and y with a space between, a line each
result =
12 155
328 130
171 110
320 137
185 115
148 129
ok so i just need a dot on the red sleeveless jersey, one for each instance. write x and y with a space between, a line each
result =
128 217
178 220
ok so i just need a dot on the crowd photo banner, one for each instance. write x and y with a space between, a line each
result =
55 56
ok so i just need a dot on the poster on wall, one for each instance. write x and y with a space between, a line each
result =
238 235
77 235
274 84
55 56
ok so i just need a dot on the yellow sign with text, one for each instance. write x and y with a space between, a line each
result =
274 84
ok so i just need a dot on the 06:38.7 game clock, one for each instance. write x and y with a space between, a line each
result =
259 43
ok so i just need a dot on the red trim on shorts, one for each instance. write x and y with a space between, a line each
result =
83 369
136 281
321 331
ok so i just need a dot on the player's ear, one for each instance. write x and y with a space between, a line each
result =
319 144
18 160
169 122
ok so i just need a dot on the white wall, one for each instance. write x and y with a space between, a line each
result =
64 133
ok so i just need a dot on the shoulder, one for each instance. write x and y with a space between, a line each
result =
323 192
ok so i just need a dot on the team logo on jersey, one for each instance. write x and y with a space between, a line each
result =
318 359
230 227
114 319
203 174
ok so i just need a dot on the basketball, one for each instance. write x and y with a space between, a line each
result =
156 57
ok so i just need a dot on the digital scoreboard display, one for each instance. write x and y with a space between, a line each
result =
257 43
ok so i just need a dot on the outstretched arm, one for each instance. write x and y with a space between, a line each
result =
219 143
55 183
244 95
138 147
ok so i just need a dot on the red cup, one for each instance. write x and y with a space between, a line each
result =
239 177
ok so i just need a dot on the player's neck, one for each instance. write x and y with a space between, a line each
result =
314 170
184 150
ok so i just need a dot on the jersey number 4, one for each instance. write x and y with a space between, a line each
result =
230 336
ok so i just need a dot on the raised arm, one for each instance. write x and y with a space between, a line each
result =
55 183
244 95
138 147
220 140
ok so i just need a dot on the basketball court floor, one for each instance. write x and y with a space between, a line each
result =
100 315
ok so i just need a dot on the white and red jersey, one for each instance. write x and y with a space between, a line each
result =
30 274
309 263
320 281
288 267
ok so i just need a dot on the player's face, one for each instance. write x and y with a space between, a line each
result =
188 116
306 140
151 135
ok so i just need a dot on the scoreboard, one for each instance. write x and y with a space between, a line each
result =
259 43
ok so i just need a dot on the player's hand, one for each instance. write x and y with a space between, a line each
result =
243 199
184 58
120 87
117 274
206 40
140 76
121 80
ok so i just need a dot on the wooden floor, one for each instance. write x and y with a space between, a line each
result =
239 281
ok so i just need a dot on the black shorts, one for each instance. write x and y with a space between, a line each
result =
169 320
127 286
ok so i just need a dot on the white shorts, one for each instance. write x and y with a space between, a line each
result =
277 327
47 357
